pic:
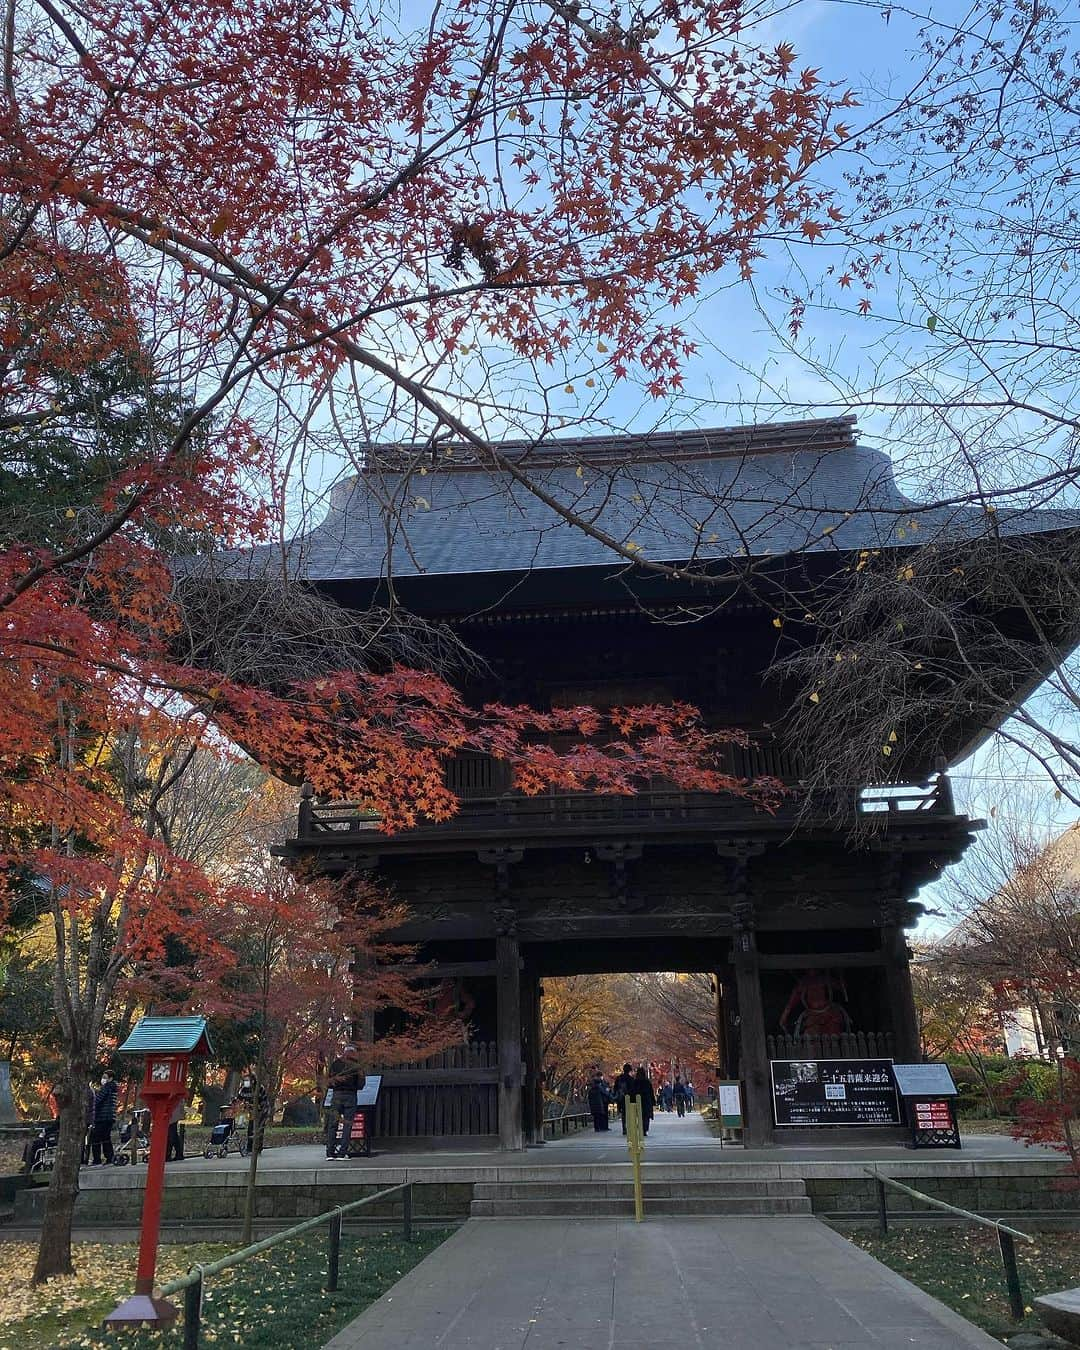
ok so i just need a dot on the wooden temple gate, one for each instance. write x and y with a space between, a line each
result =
815 895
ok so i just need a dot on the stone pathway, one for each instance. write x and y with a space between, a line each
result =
690 1284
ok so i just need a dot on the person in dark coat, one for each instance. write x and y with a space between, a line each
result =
680 1094
644 1089
174 1146
624 1087
598 1098
88 1108
104 1119
346 1080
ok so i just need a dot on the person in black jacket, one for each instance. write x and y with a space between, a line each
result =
104 1119
598 1098
346 1080
644 1090
624 1087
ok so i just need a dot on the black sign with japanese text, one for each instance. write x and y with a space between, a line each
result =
834 1092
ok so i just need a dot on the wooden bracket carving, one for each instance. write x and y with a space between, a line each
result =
618 855
505 920
738 852
502 859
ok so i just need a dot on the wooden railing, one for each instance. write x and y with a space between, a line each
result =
1006 1235
192 1283
327 822
847 1045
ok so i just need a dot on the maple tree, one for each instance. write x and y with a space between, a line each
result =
276 217
310 963
583 1032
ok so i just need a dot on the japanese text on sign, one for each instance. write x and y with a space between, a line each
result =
834 1092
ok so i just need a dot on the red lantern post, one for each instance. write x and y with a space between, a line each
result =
168 1044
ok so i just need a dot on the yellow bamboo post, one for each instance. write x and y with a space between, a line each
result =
635 1142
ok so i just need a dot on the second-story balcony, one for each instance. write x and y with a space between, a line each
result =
552 816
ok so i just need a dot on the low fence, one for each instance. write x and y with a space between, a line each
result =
1006 1235
557 1126
192 1283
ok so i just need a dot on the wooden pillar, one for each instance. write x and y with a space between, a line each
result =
905 1023
721 1027
534 1060
895 958
362 1033
727 1023
753 1052
508 1024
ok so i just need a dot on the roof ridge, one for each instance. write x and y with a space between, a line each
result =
819 434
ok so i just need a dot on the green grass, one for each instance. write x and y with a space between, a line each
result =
962 1268
275 1300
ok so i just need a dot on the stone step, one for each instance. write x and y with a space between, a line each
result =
674 1190
607 1207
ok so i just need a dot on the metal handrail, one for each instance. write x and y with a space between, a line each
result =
192 1282
1005 1233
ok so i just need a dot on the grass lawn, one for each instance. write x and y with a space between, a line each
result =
962 1268
274 1300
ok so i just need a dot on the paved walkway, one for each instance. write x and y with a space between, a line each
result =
694 1284
671 1140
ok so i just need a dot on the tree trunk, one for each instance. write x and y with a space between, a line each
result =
54 1248
976 1062
8 1113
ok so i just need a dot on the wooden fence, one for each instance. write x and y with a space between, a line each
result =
849 1045
453 1092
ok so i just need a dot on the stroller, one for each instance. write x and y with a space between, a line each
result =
229 1135
40 1152
140 1151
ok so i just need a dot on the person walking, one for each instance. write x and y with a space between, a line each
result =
174 1147
346 1080
91 1095
104 1119
665 1093
678 1092
624 1085
598 1098
644 1091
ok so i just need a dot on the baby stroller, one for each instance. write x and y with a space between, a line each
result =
140 1151
40 1153
229 1135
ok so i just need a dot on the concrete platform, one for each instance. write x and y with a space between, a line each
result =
744 1284
992 1176
676 1148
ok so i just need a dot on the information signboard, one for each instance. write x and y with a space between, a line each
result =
834 1092
924 1080
368 1095
729 1105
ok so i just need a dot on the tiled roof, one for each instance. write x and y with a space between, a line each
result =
698 495
179 1035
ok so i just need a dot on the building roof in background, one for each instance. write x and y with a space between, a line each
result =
702 496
